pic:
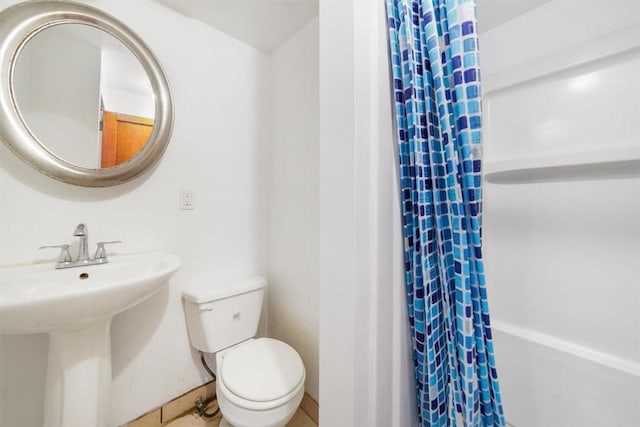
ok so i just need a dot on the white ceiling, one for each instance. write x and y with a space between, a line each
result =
262 24
267 24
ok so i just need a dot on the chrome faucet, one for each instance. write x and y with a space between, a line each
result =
83 244
83 258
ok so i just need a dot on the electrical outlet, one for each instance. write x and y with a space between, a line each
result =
187 201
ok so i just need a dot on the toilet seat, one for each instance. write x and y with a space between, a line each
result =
261 374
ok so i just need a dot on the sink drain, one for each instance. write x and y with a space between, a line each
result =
84 276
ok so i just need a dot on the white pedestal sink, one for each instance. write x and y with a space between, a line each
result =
75 306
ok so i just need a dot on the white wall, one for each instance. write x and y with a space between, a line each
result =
365 354
217 150
561 247
293 199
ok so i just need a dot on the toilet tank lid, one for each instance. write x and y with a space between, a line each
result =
223 288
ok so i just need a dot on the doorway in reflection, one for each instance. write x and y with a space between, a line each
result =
123 136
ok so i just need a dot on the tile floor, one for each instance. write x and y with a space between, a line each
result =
180 412
300 419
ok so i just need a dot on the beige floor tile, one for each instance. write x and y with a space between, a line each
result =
152 419
310 406
184 403
300 419
193 420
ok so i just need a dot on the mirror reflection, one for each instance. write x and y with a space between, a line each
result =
84 96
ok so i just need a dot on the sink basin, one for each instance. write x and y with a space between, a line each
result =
75 307
38 298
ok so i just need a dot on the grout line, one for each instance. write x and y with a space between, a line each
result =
310 407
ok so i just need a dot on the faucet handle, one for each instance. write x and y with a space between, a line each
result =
101 253
81 230
64 256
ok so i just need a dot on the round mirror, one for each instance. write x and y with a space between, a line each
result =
93 106
82 99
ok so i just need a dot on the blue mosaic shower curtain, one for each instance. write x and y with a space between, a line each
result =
436 86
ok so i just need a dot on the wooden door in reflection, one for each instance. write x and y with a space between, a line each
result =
123 136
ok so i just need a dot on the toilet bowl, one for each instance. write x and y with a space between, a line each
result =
260 382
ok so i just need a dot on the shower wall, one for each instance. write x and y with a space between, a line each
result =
562 212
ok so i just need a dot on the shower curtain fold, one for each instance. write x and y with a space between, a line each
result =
437 97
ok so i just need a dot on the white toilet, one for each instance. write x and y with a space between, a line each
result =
260 382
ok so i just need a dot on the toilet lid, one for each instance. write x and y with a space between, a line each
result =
262 370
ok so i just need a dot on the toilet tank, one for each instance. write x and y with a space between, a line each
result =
223 313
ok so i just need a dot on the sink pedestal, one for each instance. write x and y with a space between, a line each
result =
79 376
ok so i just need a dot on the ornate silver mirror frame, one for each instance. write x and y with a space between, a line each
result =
21 22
